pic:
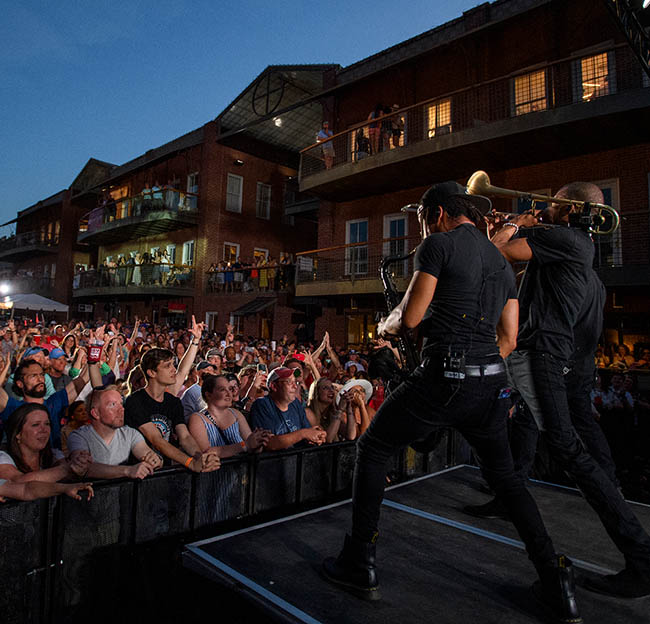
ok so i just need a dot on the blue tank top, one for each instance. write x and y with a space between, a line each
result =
221 437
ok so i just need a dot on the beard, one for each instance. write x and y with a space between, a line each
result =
37 392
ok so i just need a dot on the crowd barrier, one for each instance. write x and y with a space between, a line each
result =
53 550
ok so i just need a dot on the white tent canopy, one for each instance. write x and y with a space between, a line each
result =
34 302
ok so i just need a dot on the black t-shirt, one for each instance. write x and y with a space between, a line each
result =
474 283
590 320
554 289
140 409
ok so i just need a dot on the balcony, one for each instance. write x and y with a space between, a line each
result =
352 269
140 216
27 245
508 122
135 281
261 279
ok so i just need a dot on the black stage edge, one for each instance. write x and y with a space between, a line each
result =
436 564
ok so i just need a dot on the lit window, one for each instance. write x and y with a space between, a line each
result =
234 193
263 201
530 93
260 254
595 77
230 252
356 255
188 253
439 118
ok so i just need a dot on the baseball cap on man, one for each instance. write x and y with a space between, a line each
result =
34 350
213 352
439 195
281 372
202 365
57 353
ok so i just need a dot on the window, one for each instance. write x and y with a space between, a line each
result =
263 201
53 271
171 252
153 251
593 77
396 227
260 253
356 258
192 187
529 93
234 193
609 250
188 253
439 118
523 204
230 252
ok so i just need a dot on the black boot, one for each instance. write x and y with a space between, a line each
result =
625 584
354 569
556 589
493 509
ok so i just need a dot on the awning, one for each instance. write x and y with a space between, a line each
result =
34 302
253 307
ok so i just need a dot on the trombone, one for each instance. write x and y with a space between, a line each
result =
593 215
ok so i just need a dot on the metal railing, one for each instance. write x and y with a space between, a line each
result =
268 278
169 200
354 261
29 239
149 275
567 82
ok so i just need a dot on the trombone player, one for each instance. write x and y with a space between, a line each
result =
558 290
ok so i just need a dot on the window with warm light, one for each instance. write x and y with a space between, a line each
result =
439 118
530 93
595 77
230 252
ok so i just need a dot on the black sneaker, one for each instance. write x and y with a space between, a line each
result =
555 590
490 510
626 584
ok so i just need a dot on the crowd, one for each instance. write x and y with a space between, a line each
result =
80 402
261 274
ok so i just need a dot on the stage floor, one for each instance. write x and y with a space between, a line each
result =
435 563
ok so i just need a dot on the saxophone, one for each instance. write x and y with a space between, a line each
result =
405 344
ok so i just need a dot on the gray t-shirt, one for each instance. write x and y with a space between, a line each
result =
117 452
5 458
192 401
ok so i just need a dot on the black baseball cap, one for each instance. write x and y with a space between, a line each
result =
439 194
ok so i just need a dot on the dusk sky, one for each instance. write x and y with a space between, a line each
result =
111 80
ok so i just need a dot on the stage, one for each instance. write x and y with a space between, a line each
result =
435 563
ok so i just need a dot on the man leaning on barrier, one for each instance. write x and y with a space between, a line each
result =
110 442
158 414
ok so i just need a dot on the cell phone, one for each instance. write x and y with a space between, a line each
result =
273 345
261 368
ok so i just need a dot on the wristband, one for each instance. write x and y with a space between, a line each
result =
196 344
511 224
243 444
188 462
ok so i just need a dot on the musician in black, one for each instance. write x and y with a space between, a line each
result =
462 295
557 333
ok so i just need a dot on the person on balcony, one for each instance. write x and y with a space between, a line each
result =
147 197
165 262
397 126
362 144
137 271
157 196
327 147
374 131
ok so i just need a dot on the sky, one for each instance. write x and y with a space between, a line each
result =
112 79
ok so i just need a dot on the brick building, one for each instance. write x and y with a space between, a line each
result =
537 93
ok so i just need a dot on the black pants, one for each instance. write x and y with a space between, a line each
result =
579 382
425 401
540 380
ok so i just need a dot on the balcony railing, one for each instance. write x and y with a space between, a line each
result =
269 278
355 261
139 216
563 83
135 279
26 243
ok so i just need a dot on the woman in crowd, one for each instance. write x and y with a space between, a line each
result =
77 416
179 351
222 427
29 455
357 393
322 410
622 358
69 346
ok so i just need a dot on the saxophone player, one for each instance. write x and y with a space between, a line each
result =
461 295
